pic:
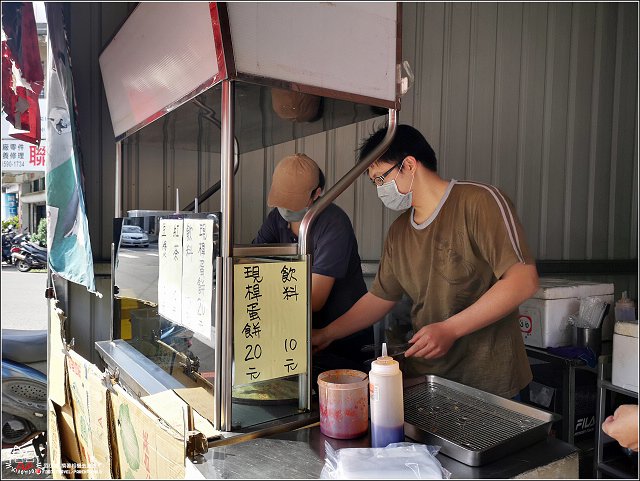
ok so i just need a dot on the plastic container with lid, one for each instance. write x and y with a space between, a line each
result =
624 368
385 394
625 309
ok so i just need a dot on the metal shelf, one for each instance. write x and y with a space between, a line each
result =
614 471
610 465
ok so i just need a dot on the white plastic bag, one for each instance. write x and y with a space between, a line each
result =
396 461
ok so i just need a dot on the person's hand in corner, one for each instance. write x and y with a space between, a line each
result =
623 426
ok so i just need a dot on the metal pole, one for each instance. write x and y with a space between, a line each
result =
118 192
304 246
226 244
217 328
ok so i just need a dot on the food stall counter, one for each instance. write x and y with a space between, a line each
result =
300 454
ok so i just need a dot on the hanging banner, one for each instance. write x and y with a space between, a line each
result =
70 254
22 75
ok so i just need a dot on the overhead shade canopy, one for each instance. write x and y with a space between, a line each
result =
348 48
167 53
163 52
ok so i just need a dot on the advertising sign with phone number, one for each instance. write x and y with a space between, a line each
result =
20 156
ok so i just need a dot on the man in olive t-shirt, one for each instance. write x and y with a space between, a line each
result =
459 253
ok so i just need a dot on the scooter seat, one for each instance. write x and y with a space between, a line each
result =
24 345
37 247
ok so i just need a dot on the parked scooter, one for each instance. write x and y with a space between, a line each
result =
29 255
11 239
24 389
7 237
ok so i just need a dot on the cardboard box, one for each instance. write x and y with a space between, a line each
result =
170 405
543 317
147 447
624 369
89 397
54 453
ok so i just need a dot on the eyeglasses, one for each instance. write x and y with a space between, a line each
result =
380 179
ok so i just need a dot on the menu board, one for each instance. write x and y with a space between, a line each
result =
185 273
170 269
197 275
269 320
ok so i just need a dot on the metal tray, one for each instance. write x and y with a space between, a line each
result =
470 425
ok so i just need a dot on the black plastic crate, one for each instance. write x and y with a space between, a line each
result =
586 397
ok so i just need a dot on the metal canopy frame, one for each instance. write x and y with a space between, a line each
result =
228 76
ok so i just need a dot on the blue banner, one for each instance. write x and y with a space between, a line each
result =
68 240
10 205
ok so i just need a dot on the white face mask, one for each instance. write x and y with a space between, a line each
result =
292 215
392 198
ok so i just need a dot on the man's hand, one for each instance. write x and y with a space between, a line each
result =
432 341
320 339
623 426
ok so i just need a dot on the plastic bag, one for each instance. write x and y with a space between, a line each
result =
396 461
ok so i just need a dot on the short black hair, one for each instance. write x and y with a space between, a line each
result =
407 141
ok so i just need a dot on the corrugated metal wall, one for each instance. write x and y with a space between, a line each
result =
539 99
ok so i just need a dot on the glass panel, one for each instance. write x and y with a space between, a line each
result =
187 355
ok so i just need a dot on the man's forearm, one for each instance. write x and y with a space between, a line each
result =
364 313
518 285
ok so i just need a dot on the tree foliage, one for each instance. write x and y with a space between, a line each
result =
41 235
11 221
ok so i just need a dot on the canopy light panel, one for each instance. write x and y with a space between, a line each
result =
166 53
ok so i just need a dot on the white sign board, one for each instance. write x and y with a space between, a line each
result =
20 156
185 273
170 269
197 275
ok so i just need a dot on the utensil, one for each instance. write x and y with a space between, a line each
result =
592 311
373 347
369 361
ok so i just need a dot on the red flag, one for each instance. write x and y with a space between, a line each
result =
22 75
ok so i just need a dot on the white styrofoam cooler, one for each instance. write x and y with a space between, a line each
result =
543 317
624 368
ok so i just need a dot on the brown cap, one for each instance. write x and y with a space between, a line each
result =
294 179
294 106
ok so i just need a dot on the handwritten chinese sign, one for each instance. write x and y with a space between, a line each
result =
185 273
197 275
270 320
170 269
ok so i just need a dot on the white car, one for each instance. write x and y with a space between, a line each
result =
132 235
